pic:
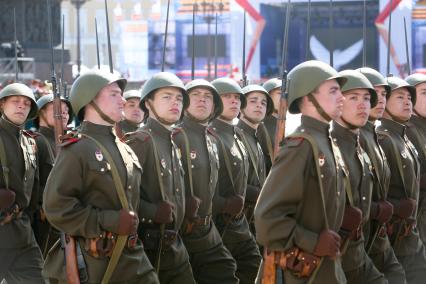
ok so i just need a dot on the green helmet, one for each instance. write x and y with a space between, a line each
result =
397 83
132 94
272 84
256 88
200 83
355 80
415 79
375 78
88 85
228 86
306 77
162 80
44 100
18 89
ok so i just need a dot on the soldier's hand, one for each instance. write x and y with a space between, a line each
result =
128 224
405 208
328 244
164 213
382 211
233 205
7 198
191 207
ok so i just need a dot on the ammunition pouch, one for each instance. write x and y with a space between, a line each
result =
103 246
151 239
9 214
298 262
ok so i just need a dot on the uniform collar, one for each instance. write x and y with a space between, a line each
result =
90 128
417 120
312 123
369 126
221 126
394 126
48 132
129 125
247 128
344 134
157 127
10 127
187 121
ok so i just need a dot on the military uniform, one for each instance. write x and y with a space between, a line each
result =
235 230
127 126
21 260
211 262
154 147
381 251
266 136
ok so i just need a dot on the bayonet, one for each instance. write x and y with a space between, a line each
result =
308 31
111 68
97 44
165 37
215 47
364 35
244 75
330 34
193 42
388 73
407 53
62 58
15 45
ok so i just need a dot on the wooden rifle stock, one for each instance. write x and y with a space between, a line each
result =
71 267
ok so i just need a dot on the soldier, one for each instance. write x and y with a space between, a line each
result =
46 146
267 128
162 188
21 260
301 205
377 242
359 96
416 132
93 192
133 114
211 262
259 104
231 189
404 182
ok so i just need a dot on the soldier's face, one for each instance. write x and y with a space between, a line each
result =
356 107
420 106
231 106
201 104
256 107
16 109
399 104
110 100
330 98
377 111
47 115
168 103
276 96
132 111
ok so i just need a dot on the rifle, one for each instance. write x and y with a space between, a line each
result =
244 81
407 53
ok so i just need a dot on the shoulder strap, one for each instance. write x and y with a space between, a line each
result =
122 239
263 128
250 152
227 161
49 148
188 160
4 163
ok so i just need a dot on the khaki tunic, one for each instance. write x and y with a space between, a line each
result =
127 126
266 136
81 200
381 251
356 264
17 242
410 250
289 211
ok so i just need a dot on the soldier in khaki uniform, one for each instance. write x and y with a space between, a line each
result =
404 183
301 205
259 105
211 262
162 188
377 242
21 260
93 191
46 146
360 96
133 114
416 132
231 189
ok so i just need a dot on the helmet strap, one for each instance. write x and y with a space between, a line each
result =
319 109
161 120
101 113
348 124
394 117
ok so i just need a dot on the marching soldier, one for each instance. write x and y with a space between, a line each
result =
258 105
359 96
162 194
231 190
133 114
404 182
211 262
416 132
377 242
45 140
21 260
301 205
92 193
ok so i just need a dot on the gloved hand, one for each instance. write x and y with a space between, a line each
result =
191 207
405 208
128 224
233 205
352 219
328 244
381 211
164 213
7 198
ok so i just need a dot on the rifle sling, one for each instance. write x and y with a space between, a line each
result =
4 164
